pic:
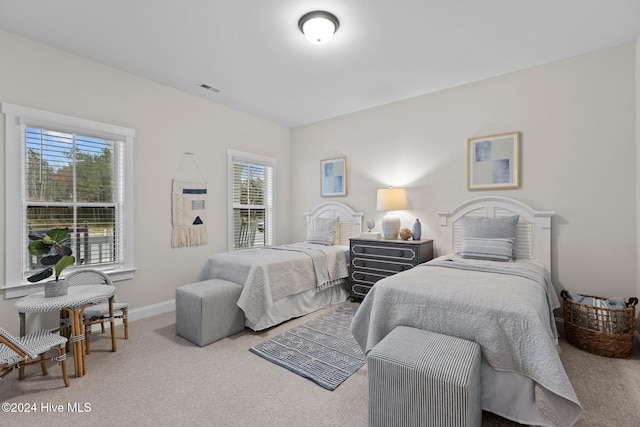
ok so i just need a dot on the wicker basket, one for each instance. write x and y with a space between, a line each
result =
599 330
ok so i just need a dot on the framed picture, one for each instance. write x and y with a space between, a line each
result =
333 177
493 161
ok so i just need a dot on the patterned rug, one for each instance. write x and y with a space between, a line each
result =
322 350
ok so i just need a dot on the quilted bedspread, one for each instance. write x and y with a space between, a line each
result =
504 307
272 273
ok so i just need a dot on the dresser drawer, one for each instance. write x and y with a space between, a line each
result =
389 252
380 265
360 290
367 277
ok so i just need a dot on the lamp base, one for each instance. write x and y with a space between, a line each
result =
390 226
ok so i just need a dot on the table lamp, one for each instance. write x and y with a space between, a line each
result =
391 199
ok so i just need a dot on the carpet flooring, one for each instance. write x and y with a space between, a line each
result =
322 349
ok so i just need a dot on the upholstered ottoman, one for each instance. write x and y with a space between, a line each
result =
420 378
206 311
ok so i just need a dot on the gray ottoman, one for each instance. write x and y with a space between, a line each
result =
206 311
420 378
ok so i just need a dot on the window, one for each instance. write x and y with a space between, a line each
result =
251 204
73 174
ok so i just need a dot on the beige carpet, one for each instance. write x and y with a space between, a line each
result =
158 379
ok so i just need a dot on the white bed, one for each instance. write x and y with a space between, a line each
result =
287 281
510 316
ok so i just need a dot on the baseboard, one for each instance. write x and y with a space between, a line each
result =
152 310
144 312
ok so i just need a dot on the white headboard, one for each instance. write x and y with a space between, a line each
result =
533 241
350 221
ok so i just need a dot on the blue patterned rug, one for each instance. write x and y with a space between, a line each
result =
322 350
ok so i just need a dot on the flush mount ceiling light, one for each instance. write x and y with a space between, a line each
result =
318 26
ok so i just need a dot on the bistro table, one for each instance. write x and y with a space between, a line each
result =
73 303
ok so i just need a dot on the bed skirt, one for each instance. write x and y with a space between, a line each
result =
298 305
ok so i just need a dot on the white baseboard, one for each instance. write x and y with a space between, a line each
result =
144 312
152 310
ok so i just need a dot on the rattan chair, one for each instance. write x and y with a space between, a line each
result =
99 313
30 350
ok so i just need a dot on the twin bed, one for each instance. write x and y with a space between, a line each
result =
506 307
283 282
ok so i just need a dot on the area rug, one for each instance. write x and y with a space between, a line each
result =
322 350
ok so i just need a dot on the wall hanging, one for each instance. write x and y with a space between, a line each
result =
188 214
493 161
333 177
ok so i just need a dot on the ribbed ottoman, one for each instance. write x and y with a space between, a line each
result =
207 312
420 378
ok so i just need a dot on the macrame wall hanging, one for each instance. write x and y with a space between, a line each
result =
189 210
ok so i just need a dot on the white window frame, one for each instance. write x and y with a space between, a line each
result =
15 117
240 156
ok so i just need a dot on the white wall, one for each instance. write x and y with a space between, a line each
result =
167 124
577 119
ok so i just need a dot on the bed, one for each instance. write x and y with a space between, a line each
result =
287 281
506 307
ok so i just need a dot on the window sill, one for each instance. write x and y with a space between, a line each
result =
27 288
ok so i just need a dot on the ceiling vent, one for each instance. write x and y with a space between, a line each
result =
209 87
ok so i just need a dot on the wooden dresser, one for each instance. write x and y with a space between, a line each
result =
372 260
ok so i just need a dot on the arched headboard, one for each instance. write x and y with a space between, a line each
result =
350 221
533 242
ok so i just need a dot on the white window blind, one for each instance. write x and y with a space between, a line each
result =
252 200
72 181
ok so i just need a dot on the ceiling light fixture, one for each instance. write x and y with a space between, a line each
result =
318 26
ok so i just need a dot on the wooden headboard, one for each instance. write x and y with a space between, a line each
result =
350 221
533 242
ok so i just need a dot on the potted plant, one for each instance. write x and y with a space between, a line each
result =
57 255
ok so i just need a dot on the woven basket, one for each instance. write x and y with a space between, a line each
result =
599 330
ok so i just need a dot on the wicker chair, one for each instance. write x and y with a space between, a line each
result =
99 313
30 350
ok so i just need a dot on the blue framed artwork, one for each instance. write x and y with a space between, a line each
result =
333 177
493 161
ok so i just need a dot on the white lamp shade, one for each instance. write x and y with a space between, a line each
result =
318 30
392 199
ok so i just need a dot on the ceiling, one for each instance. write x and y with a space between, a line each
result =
384 51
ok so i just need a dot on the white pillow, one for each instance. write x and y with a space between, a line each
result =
328 224
487 249
491 228
321 237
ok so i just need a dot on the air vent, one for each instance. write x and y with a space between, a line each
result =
209 87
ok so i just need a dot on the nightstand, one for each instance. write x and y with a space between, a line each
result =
372 260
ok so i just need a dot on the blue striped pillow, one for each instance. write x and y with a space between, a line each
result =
487 249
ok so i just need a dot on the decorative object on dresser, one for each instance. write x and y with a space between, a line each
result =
391 199
405 233
370 234
333 177
375 260
417 230
493 161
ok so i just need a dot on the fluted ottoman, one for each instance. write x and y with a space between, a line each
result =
207 312
420 378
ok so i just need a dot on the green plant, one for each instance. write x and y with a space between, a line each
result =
57 254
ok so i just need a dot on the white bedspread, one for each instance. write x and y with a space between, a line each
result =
270 274
508 315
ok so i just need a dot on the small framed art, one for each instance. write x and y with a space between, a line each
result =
333 177
493 161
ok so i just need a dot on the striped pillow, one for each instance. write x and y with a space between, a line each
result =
487 249
321 237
